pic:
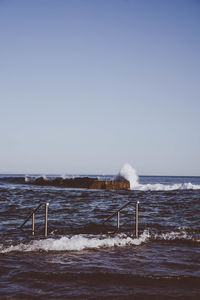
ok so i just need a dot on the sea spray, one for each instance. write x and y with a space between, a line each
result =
129 173
27 178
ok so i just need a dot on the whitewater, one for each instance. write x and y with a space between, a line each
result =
85 242
129 173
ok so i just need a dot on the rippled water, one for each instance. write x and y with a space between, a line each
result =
83 259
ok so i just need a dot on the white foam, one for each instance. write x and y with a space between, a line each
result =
77 243
81 242
173 235
165 187
130 174
27 178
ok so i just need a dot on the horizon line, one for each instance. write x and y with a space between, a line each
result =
89 174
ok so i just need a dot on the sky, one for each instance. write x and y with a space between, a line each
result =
88 85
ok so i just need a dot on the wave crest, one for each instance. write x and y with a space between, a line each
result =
77 243
81 242
130 174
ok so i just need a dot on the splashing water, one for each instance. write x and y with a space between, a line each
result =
81 242
129 173
26 178
78 243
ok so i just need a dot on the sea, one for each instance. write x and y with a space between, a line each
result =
84 257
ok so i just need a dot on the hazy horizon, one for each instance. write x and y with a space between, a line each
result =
92 174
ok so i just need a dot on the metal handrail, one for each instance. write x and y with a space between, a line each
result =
116 212
29 216
33 218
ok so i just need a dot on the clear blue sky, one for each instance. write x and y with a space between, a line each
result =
87 85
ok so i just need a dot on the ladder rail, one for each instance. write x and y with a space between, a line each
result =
29 216
116 212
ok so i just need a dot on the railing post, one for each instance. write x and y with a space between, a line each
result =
118 213
33 224
136 219
46 216
29 216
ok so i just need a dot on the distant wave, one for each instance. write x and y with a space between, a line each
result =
130 174
163 187
176 235
126 172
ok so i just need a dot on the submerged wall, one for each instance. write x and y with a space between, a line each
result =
83 182
77 182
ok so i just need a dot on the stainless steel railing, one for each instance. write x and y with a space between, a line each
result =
32 214
117 213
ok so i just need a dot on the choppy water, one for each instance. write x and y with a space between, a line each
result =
83 259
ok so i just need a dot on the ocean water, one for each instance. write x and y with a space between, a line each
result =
84 259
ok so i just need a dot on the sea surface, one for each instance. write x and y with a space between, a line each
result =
81 258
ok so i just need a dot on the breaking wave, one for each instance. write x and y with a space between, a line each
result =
81 242
77 243
163 187
126 172
177 235
130 174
